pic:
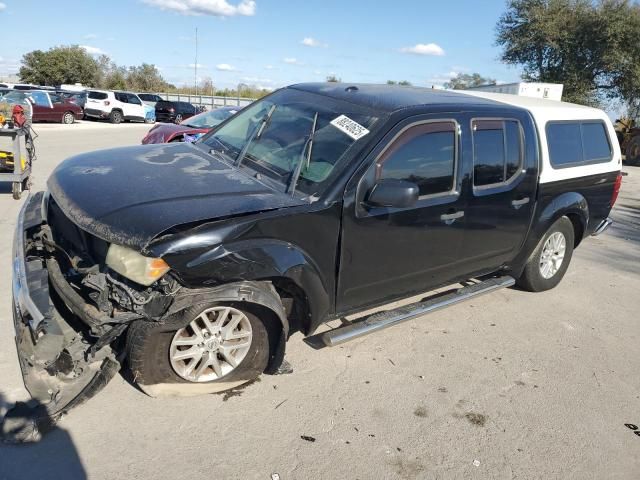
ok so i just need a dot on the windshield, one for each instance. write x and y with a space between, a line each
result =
209 119
273 141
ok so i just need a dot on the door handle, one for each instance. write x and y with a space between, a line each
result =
518 203
449 218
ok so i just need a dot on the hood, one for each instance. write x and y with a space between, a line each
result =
164 132
131 195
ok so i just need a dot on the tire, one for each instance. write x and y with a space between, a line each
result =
68 118
16 190
115 117
151 352
178 119
632 153
538 275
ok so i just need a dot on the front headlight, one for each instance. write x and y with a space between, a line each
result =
134 266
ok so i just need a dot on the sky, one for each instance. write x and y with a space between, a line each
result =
268 43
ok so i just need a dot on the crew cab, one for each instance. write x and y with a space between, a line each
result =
193 263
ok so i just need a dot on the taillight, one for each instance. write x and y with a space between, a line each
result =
172 110
107 103
616 189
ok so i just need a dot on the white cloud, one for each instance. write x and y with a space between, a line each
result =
269 67
292 61
424 49
216 8
90 36
93 50
312 42
225 67
257 80
2 6
194 65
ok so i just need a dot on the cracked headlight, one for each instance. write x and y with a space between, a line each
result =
135 266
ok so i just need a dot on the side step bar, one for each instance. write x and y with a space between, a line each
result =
389 318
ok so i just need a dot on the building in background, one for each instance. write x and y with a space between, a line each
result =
551 91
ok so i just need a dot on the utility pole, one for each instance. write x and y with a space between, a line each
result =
196 64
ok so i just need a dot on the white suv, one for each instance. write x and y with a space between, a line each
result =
116 106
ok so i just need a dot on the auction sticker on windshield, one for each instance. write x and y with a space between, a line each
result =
350 127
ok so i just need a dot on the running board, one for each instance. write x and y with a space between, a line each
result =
389 318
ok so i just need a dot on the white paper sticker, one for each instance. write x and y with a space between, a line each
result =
350 127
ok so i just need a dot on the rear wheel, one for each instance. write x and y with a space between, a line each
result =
68 118
632 155
116 117
205 349
549 261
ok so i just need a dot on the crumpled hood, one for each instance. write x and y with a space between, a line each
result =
165 132
131 195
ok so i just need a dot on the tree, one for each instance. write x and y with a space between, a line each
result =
403 83
462 81
333 79
591 47
58 65
145 78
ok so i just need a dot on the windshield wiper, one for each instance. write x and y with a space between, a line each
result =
257 133
304 159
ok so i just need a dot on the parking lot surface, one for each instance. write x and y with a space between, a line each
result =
509 385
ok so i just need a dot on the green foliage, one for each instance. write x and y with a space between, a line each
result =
333 79
592 47
403 83
463 81
59 65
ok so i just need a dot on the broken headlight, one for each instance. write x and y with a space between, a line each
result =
135 266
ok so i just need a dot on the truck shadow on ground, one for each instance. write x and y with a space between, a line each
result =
48 454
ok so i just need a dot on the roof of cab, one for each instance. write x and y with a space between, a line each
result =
392 97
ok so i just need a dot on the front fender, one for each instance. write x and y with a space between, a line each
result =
255 260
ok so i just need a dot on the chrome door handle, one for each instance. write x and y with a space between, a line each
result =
518 203
449 218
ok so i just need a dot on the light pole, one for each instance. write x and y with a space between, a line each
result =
240 85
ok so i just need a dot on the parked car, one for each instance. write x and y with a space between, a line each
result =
46 106
79 98
150 98
4 91
315 202
174 112
191 128
115 106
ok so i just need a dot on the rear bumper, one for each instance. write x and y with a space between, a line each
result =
93 112
53 345
602 226
165 117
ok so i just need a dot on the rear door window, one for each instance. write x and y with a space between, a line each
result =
577 143
497 152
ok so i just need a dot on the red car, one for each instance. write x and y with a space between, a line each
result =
46 106
190 129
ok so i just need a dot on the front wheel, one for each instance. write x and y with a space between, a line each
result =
549 261
205 349
178 119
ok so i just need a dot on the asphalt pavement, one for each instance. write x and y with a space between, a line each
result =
509 385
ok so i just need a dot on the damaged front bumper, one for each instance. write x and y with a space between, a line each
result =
60 365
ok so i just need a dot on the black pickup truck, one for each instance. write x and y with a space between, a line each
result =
193 264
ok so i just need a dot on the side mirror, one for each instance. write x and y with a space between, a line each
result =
393 193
